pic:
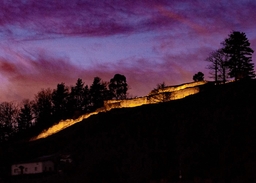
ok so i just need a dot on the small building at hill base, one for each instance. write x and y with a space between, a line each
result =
40 165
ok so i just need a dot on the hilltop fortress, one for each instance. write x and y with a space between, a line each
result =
155 96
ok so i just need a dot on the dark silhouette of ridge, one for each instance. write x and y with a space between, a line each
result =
207 136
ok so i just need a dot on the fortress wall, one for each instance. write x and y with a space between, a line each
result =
160 97
178 92
176 88
134 102
164 95
184 93
110 104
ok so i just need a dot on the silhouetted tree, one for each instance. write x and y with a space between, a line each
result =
86 99
198 77
60 100
160 85
99 93
77 95
25 116
42 109
79 99
8 120
218 65
237 46
118 87
158 95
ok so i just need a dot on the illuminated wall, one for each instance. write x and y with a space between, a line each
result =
155 96
178 87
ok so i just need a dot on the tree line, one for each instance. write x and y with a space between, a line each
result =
232 61
49 106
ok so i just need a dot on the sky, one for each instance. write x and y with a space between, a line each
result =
44 43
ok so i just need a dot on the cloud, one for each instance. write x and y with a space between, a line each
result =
90 18
183 34
27 76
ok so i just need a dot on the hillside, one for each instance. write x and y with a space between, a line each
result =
209 135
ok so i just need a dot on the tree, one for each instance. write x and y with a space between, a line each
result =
8 116
198 77
79 99
25 116
77 95
218 65
99 93
160 86
240 65
158 95
118 86
60 100
42 108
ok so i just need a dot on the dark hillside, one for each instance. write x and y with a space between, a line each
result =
210 135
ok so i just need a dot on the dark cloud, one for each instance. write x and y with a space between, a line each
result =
91 18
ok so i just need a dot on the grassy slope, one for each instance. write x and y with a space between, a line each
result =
211 134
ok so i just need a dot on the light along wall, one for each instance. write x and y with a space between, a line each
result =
155 96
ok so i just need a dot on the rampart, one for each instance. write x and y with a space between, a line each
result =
155 96
158 95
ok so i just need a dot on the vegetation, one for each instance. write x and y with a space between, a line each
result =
51 106
218 66
233 60
198 77
212 139
118 87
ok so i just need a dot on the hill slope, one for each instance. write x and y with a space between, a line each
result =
209 135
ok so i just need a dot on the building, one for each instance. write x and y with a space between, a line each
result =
39 165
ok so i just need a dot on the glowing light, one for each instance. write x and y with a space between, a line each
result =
155 96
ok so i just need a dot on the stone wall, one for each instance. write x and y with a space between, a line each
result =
156 96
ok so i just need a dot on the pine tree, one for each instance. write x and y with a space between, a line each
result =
99 93
240 65
60 100
25 117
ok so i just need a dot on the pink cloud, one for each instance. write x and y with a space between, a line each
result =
185 33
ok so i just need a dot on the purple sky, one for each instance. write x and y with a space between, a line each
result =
43 43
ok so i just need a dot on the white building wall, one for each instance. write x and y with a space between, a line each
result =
29 168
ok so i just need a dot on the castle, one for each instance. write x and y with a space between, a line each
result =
155 96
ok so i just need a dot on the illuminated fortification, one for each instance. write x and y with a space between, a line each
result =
155 96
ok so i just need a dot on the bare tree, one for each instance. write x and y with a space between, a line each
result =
218 65
8 120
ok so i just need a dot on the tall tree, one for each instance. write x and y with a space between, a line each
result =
79 99
118 86
99 93
86 99
60 100
8 120
25 116
218 65
42 109
237 46
77 94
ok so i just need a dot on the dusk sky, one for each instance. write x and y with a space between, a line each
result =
46 42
